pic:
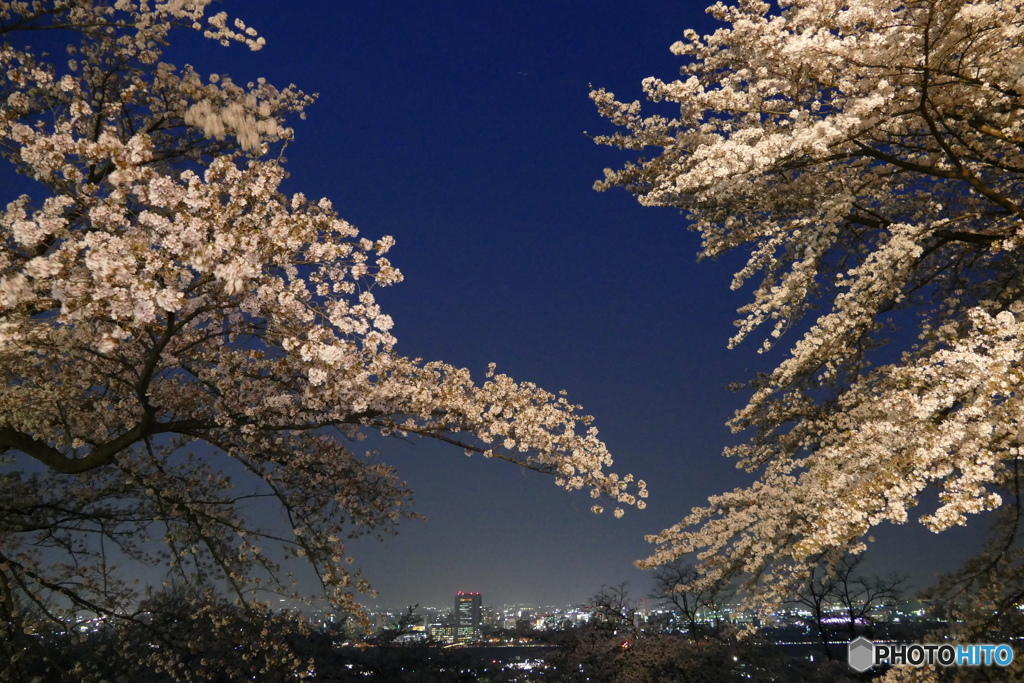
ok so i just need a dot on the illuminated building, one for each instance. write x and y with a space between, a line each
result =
467 617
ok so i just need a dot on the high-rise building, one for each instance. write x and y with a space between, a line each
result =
467 617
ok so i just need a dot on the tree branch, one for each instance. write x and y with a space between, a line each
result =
100 455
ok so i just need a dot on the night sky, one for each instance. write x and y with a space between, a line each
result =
460 128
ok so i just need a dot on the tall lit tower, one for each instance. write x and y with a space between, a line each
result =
467 617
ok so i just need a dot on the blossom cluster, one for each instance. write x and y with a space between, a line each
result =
869 157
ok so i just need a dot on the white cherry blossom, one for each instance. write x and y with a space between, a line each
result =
168 316
869 157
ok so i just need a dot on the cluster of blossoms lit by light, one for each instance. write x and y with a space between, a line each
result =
167 314
870 156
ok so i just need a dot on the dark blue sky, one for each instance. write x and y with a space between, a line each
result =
459 128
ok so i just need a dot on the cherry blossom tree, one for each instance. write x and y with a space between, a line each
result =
869 157
181 342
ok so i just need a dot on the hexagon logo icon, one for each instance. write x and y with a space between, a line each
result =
861 654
